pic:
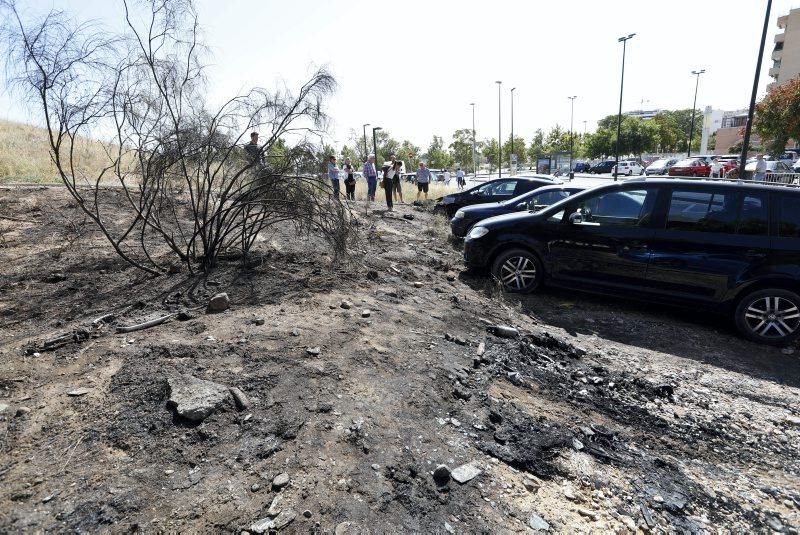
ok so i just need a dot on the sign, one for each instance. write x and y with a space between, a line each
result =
513 158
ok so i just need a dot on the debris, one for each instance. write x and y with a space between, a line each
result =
280 481
441 476
279 522
588 514
466 472
259 321
410 217
456 339
219 303
347 305
307 513
241 399
255 487
145 325
3 407
481 349
22 411
537 523
55 277
577 444
185 315
342 528
195 399
793 420
276 506
503 331
417 284
296 332
366 313
313 350
79 392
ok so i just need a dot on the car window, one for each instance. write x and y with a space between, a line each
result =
702 211
754 215
617 208
790 217
493 188
546 198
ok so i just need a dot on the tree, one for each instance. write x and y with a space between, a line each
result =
557 140
777 116
637 136
490 153
536 148
600 143
406 148
143 90
461 148
355 160
438 157
519 150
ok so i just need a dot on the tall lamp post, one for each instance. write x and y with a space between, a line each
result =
571 133
375 145
499 133
749 126
512 165
694 106
474 164
624 41
366 151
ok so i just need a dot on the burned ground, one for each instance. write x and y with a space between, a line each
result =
363 377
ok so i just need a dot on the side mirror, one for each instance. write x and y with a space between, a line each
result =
576 218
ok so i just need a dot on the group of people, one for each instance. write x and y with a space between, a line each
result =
390 179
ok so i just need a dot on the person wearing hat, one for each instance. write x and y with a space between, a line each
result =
371 174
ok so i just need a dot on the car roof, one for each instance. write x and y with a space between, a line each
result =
697 183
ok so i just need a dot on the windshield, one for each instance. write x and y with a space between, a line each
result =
659 163
687 163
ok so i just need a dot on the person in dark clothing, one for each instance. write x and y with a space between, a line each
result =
390 171
253 150
349 180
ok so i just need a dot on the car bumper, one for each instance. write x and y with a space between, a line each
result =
459 227
476 253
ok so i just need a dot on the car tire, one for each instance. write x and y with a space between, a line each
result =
770 316
518 271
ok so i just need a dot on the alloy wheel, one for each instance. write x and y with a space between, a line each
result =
772 317
518 273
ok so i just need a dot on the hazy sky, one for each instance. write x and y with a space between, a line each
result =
413 67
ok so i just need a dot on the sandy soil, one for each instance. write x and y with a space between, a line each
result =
362 378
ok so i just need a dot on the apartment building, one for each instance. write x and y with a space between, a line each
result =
786 53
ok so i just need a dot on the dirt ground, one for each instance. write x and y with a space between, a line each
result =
362 379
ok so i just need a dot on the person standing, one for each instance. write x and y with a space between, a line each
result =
397 188
423 180
716 168
447 177
333 175
390 172
254 154
349 180
371 174
761 168
460 182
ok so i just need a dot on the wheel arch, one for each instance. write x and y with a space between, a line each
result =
778 282
506 246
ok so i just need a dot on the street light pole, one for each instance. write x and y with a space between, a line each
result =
366 151
499 133
749 126
474 164
624 41
694 106
571 133
375 145
511 164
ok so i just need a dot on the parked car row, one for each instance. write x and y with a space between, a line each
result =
732 248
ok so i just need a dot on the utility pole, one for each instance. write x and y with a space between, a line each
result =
375 146
512 165
624 41
366 151
694 106
474 163
499 133
749 126
571 133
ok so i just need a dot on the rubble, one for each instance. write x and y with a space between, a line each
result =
195 399
219 303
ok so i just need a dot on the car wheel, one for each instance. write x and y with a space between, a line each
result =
769 316
518 270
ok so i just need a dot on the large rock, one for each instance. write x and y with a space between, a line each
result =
219 303
538 523
466 472
195 399
265 525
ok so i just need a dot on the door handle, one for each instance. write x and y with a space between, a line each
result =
753 254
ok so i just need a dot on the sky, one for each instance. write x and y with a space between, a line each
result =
414 67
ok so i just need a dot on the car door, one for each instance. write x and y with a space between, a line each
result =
710 240
604 239
501 190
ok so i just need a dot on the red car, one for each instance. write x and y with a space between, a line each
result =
691 167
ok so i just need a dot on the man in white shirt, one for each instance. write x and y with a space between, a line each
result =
446 177
716 168
460 178
761 168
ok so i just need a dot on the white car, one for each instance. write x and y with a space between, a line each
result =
629 168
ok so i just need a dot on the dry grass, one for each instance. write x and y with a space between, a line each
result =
25 155
435 191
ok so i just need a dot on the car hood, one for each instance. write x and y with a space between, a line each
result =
508 219
485 207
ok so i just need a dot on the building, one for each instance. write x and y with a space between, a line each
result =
712 121
643 114
786 53
730 131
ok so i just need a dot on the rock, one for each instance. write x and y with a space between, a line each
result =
55 277
417 284
456 339
280 481
219 303
537 523
174 269
307 513
410 217
313 350
775 524
366 313
276 506
577 444
4 407
465 472
347 305
342 528
279 522
441 476
185 315
195 399
481 349
79 392
22 411
569 493
376 467
255 487
259 321
793 420
629 522
588 514
296 332
451 277
241 399
503 331
372 275
664 390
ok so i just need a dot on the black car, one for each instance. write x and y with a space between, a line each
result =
733 248
603 167
533 200
500 189
582 167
